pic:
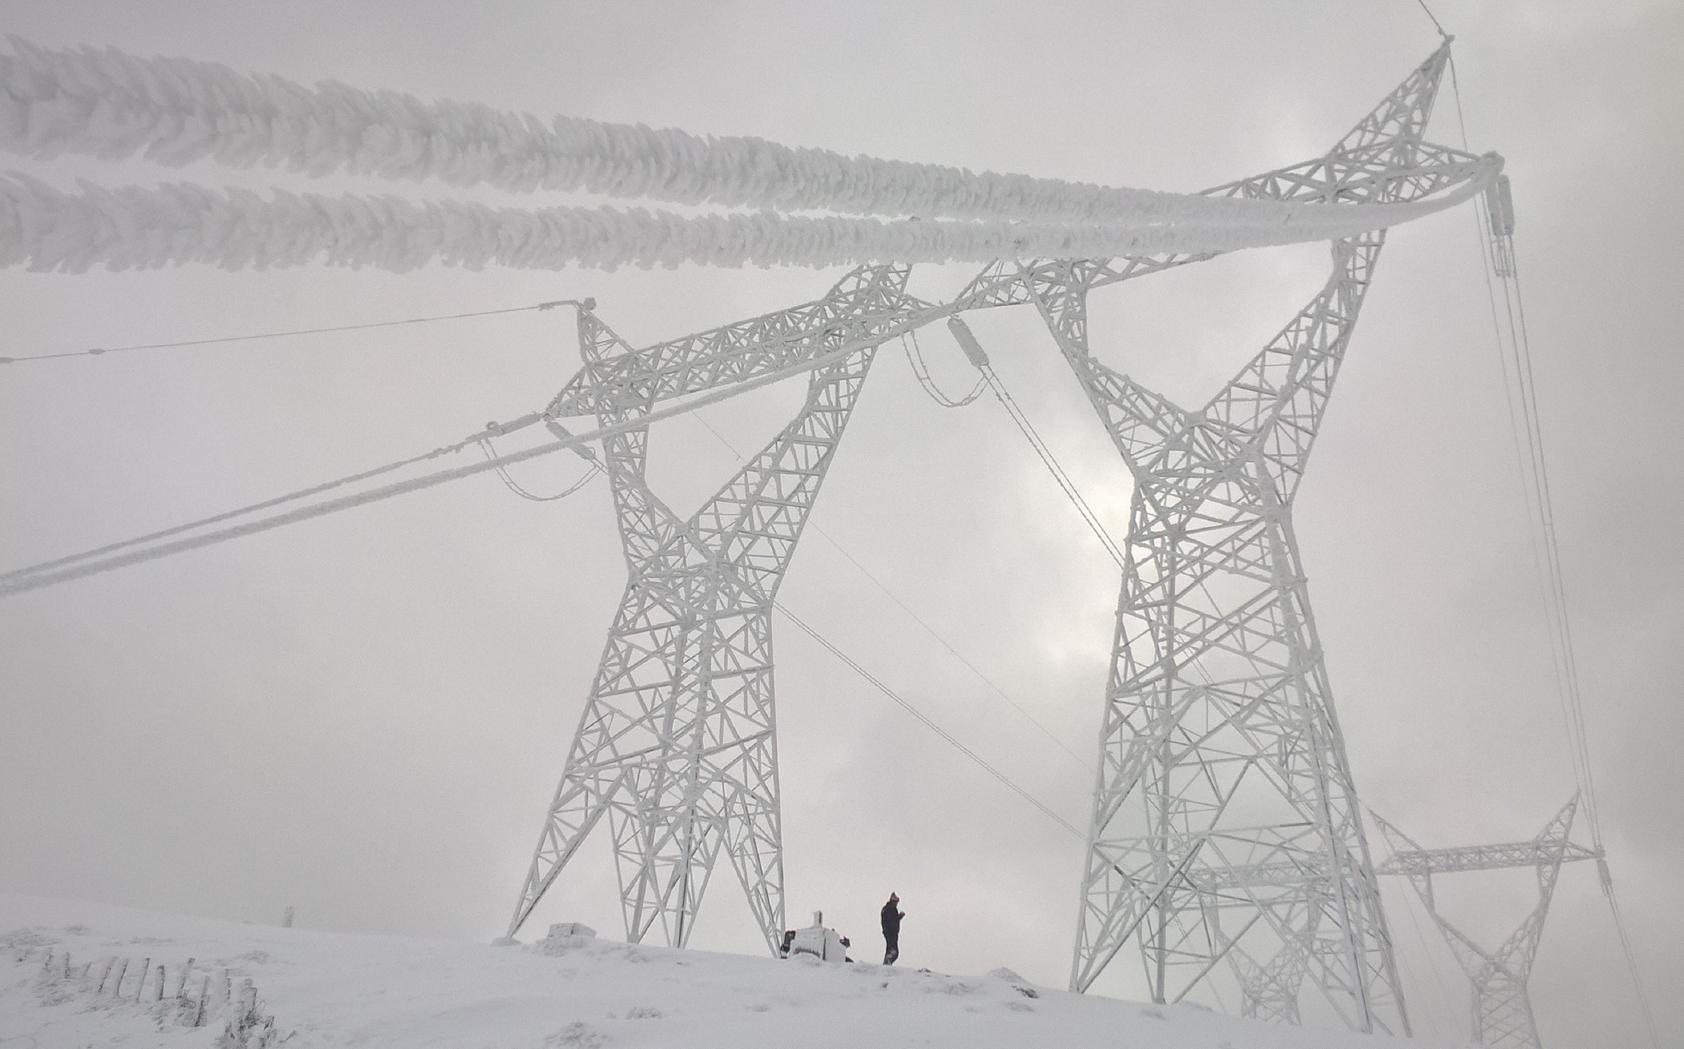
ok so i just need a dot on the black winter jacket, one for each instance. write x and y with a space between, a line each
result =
891 919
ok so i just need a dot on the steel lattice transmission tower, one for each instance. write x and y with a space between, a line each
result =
677 743
1502 1010
1225 827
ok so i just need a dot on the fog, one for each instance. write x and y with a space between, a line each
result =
365 716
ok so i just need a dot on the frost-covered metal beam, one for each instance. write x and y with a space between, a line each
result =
811 333
1226 829
1502 1015
677 745
1382 159
1419 862
853 316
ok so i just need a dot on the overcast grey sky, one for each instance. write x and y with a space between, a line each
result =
365 716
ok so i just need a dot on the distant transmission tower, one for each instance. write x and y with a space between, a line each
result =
1225 828
677 744
1502 1010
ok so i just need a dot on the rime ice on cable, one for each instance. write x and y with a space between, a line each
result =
136 227
175 111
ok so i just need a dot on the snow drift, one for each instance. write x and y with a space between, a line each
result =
270 987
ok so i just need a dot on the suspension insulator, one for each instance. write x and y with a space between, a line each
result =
1499 207
967 342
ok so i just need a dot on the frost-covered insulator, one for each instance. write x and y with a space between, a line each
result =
967 342
1499 206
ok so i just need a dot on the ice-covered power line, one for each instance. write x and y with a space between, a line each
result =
921 372
135 227
175 111
99 351
931 725
975 354
1495 215
490 452
1495 222
193 536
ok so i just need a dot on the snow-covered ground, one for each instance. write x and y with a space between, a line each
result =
311 989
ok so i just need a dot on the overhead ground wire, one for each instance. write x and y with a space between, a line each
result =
1434 18
97 351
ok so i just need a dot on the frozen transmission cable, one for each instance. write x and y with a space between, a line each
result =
176 111
974 352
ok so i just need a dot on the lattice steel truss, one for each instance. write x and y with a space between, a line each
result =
1502 1010
677 744
677 741
1225 825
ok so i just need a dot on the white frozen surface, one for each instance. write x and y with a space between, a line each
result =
173 111
135 227
338 989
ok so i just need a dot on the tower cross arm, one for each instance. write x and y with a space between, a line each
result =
1383 159
1386 172
1483 857
868 307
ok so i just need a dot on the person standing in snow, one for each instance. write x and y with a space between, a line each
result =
891 930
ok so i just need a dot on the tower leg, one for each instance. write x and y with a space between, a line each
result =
1224 797
1223 800
677 741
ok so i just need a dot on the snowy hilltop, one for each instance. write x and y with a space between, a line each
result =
77 974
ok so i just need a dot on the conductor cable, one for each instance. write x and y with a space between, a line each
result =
929 724
97 352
